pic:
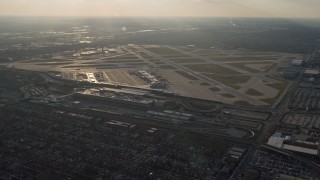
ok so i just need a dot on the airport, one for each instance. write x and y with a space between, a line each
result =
83 101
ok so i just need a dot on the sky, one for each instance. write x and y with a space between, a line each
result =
119 8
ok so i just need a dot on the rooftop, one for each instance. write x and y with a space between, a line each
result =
312 71
276 141
300 149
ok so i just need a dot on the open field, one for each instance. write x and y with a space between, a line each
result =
53 64
228 95
182 73
186 60
252 67
214 89
242 103
211 68
253 92
231 81
280 87
119 61
47 60
163 51
120 58
249 58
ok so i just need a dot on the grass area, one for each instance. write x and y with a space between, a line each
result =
207 51
204 84
162 51
231 81
249 58
46 60
270 101
91 66
214 89
167 67
211 68
186 75
121 58
144 55
159 62
244 67
228 95
122 55
306 56
253 92
115 64
278 78
242 103
122 61
280 87
270 67
186 60
53 64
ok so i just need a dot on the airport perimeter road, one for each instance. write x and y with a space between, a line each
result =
202 77
212 61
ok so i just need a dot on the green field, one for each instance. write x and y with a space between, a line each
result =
211 68
242 58
231 81
214 89
280 87
228 95
163 51
186 60
186 75
242 66
253 92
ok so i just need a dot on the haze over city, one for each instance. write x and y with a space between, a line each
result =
215 8
160 89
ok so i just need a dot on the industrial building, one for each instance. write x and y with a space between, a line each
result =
312 72
89 53
297 62
304 147
153 80
290 74
126 96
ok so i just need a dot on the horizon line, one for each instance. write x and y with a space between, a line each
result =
163 17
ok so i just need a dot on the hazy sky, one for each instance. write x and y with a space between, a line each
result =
225 8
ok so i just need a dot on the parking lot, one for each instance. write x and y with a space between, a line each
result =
271 165
304 121
306 98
